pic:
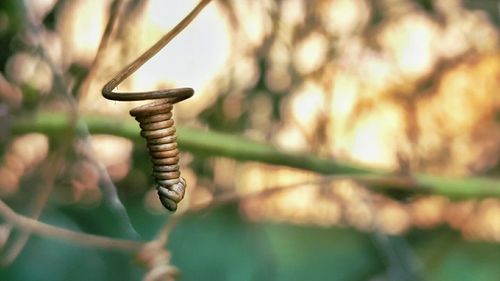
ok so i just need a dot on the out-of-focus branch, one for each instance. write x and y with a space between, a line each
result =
49 171
57 156
38 204
229 197
105 39
50 231
231 146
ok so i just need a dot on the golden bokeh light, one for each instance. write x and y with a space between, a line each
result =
344 17
411 41
81 24
23 154
114 154
85 183
310 53
427 212
410 92
27 69
366 100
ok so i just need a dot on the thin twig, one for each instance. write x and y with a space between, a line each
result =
226 198
107 187
230 197
105 39
107 90
234 196
58 156
83 239
401 262
111 200
47 183
168 227
49 171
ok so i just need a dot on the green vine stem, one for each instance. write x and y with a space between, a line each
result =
221 144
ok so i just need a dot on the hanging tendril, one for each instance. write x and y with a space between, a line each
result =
155 118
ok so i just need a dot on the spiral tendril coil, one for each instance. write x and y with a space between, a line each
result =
155 118
157 127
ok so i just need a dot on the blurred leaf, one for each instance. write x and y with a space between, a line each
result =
322 254
222 246
11 25
450 258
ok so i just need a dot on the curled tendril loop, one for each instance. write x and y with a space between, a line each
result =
155 119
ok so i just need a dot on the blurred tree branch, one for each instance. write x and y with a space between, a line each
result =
58 155
60 88
105 39
234 196
231 146
43 229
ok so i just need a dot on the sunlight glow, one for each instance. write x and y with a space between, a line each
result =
82 23
413 87
412 42
24 153
310 53
345 16
114 153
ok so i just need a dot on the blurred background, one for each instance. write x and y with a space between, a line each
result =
400 85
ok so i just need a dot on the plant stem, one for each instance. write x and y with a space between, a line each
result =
221 144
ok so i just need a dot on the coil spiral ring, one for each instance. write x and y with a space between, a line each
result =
155 119
157 127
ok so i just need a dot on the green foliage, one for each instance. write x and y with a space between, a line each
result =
222 246
12 21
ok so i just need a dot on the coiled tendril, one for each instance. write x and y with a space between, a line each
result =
155 119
